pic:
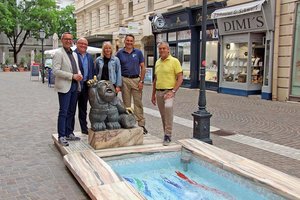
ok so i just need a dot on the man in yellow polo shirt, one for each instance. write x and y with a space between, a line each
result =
167 80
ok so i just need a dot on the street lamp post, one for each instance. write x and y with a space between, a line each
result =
42 37
201 129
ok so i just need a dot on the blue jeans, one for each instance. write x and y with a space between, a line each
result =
83 97
67 110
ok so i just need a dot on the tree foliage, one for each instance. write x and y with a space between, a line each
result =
24 19
66 21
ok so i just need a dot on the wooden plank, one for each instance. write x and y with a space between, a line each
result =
279 182
90 170
116 191
138 149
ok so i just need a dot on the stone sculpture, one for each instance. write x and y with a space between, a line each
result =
107 110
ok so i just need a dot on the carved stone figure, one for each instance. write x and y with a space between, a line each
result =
107 111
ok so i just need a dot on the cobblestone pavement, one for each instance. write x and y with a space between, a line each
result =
32 168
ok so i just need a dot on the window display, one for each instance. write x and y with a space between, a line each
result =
211 72
257 63
184 58
172 36
161 37
235 62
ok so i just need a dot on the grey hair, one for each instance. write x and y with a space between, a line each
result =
82 38
65 33
165 43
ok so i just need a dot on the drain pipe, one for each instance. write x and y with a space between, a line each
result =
276 52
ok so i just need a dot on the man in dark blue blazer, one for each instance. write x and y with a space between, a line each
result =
86 65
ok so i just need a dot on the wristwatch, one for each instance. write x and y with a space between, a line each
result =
141 81
174 91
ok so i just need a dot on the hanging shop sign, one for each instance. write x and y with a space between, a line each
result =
238 10
255 16
243 23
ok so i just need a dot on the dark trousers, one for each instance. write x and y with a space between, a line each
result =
67 110
82 107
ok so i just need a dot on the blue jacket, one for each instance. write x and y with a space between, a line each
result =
90 65
114 70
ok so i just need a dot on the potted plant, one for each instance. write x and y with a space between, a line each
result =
21 66
6 68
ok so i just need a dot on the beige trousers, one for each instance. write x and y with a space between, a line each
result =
166 111
130 90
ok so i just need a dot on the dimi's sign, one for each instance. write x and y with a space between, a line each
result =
251 22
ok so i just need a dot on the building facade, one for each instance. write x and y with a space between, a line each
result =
286 68
241 59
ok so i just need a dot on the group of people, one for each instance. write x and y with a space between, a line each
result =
126 70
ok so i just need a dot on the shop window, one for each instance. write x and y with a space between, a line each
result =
162 37
257 62
235 62
184 35
295 87
184 53
211 72
171 36
211 34
130 8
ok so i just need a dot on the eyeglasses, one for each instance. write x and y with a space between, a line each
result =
67 39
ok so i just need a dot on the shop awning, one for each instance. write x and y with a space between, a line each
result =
251 7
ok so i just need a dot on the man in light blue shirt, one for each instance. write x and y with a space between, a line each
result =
86 65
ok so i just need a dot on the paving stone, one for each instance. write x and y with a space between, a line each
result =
32 168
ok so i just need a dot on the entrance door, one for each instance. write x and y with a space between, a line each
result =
173 50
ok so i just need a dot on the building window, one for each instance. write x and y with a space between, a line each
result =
84 23
150 5
99 18
295 87
90 21
107 15
130 8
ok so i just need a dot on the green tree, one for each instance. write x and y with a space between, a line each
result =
19 21
67 21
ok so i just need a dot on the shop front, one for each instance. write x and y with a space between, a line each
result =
246 37
182 30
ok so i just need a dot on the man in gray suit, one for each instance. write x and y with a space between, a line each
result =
67 84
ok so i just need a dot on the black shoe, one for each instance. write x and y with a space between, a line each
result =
72 137
167 140
85 132
144 130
